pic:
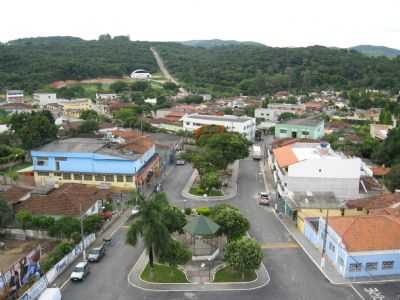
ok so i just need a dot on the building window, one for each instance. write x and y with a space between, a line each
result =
120 178
110 178
332 247
188 123
43 173
386 265
283 131
99 177
57 174
77 177
355 267
305 133
66 176
341 261
41 162
88 177
57 165
371 266
129 178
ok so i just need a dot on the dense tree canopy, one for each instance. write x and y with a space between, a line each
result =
33 129
243 255
30 63
6 213
256 70
250 69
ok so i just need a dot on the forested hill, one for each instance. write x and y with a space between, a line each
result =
217 43
250 69
30 63
255 70
371 50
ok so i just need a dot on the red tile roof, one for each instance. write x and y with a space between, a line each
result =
367 233
285 156
375 202
134 141
14 194
65 200
380 171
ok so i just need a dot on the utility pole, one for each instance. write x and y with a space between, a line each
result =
325 238
82 235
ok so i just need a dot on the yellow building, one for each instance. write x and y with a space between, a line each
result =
304 213
302 205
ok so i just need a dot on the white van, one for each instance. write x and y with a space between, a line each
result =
51 294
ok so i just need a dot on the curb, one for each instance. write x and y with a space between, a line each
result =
191 287
185 192
333 282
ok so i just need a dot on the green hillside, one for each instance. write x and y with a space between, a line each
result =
377 50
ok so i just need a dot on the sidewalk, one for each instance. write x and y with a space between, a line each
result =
135 281
312 252
230 191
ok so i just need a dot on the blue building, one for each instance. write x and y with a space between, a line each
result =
94 161
359 246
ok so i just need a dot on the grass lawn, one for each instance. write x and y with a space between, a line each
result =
164 274
227 274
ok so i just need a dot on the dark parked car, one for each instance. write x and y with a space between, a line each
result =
97 253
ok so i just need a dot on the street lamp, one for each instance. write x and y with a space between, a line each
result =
82 234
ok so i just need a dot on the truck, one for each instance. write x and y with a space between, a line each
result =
256 152
51 294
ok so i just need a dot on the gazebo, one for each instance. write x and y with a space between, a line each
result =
203 228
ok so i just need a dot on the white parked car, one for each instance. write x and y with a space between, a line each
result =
80 271
135 210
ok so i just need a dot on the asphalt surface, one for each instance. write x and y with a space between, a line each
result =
293 275
381 291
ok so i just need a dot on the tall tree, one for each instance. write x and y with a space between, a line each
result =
243 255
149 225
6 214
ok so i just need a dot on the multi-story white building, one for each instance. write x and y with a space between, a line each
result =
45 98
274 110
315 167
243 125
14 96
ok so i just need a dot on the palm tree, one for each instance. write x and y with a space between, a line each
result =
149 225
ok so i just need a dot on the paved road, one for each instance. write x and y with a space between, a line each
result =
382 291
293 276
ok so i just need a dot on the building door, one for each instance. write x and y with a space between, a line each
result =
294 134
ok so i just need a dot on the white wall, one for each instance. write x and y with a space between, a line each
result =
248 128
45 98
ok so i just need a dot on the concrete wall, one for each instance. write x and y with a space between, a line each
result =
314 132
248 128
373 257
342 188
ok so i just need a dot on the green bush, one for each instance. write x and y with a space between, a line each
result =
56 255
204 211
92 223
188 211
8 154
197 190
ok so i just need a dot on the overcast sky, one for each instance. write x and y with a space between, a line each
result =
340 23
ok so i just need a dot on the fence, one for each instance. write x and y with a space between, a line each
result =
39 286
